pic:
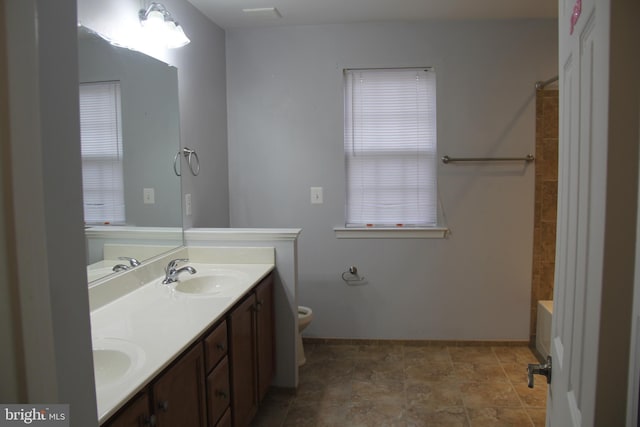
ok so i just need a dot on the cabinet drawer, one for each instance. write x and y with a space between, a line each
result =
225 421
218 391
215 346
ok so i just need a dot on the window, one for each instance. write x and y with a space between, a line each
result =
390 148
101 141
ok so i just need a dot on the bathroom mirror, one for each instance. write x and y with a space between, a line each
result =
149 128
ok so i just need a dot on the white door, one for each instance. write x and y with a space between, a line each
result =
582 169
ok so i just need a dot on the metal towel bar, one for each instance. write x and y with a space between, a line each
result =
528 158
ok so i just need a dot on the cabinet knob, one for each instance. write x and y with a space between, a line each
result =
164 405
259 305
220 346
222 394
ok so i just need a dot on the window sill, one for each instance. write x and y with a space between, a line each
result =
391 233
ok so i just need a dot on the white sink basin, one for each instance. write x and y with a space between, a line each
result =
114 360
211 283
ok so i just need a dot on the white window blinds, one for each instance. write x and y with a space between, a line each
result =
101 140
390 147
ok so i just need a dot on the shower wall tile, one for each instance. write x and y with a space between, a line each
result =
550 158
550 111
546 196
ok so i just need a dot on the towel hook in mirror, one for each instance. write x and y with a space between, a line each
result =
192 161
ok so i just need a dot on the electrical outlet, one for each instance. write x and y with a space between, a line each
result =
316 195
149 196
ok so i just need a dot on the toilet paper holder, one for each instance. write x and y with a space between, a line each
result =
352 277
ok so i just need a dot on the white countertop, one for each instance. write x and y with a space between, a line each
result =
153 324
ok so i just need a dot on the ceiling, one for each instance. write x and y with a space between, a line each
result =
228 13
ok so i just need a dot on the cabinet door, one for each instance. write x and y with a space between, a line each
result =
244 402
265 329
225 421
135 414
179 394
218 391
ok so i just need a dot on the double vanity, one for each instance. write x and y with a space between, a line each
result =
195 352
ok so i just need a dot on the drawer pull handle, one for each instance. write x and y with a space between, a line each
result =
222 394
220 346
164 405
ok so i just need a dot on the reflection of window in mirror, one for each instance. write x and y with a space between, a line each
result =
101 141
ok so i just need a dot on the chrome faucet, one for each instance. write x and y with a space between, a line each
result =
134 262
172 271
120 267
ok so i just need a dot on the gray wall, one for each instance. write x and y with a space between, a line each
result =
150 127
285 135
202 93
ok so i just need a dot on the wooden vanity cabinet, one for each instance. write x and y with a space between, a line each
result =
179 393
225 421
242 345
265 325
175 398
218 382
251 349
135 414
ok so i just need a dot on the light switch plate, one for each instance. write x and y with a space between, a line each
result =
316 196
149 196
187 204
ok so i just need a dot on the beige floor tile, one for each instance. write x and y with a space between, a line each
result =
535 397
379 352
440 417
303 415
377 370
375 414
515 354
517 372
352 385
538 416
480 372
499 417
427 353
327 371
325 352
432 395
465 354
483 395
417 370
319 392
387 392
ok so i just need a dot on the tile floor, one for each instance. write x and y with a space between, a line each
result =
377 385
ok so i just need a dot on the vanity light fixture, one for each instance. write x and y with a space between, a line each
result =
159 24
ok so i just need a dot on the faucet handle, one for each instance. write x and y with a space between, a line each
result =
174 263
134 262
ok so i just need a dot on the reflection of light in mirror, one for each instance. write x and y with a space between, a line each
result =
134 38
161 28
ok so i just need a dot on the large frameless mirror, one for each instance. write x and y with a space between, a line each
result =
129 117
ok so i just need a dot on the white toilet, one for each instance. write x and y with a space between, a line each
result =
305 315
